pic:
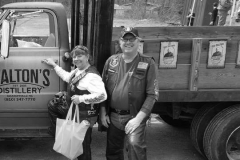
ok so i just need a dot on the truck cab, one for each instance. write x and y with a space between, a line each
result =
35 32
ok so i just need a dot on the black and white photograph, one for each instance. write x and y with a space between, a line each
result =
168 55
119 79
217 54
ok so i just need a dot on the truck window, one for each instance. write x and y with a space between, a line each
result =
32 30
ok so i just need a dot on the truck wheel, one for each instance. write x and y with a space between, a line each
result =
196 130
200 122
175 122
222 136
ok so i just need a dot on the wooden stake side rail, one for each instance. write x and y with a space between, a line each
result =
192 80
194 70
199 96
231 32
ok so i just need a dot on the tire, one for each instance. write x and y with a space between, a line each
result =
201 121
196 133
175 122
222 135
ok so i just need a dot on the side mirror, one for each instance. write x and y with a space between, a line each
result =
5 39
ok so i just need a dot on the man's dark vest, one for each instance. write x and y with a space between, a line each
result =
136 82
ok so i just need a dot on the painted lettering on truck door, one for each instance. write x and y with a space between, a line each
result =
26 84
14 81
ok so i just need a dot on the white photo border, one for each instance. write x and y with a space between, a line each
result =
217 54
168 54
238 56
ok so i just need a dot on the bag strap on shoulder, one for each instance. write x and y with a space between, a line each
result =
77 78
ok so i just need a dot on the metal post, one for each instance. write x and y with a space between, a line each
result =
72 24
77 25
92 33
232 12
96 31
85 22
103 37
193 6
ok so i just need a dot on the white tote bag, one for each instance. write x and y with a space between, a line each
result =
70 134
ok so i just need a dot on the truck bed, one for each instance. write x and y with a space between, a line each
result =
193 79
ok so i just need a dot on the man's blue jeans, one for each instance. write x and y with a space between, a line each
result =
136 144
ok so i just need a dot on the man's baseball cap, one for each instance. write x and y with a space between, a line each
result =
130 30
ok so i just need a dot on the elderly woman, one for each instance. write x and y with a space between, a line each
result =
86 88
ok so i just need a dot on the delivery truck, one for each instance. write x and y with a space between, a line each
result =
198 73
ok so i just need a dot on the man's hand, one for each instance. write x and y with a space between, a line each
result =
104 117
132 125
135 122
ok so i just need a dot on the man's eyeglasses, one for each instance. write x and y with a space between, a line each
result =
130 39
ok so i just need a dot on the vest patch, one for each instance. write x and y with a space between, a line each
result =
114 62
130 74
142 65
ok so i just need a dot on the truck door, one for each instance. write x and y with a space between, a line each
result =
26 85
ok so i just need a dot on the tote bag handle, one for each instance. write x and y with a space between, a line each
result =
76 114
69 115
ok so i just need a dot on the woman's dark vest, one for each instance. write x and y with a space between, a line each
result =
86 110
